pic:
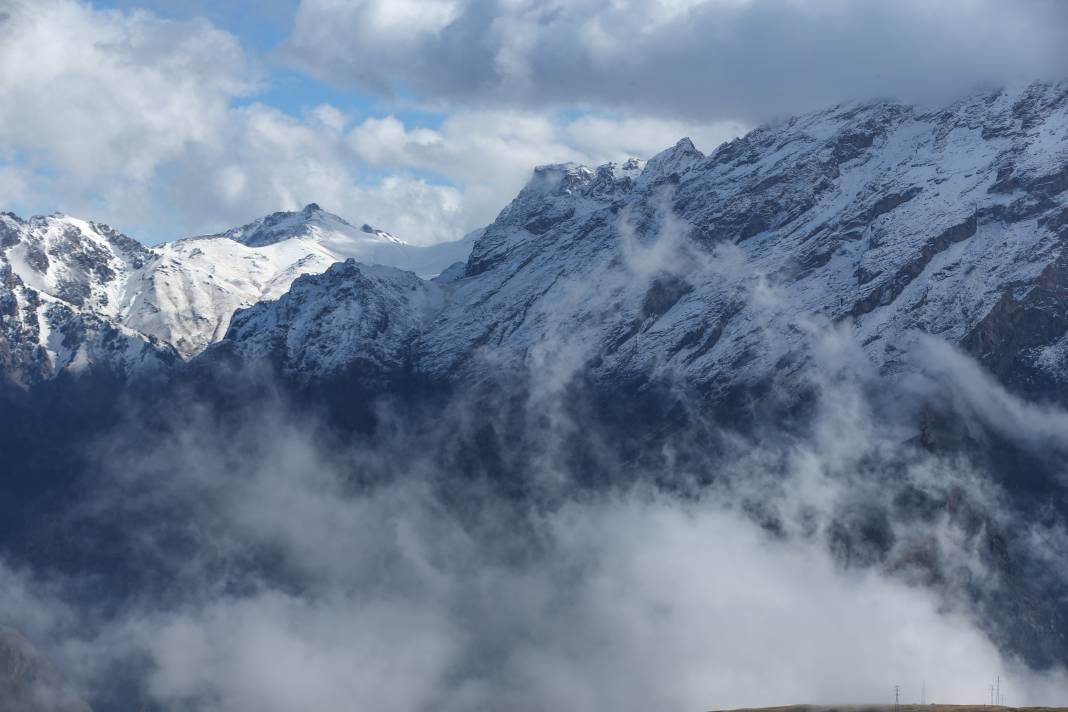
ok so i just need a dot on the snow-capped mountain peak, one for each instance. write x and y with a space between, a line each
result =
311 222
194 286
889 217
74 293
381 233
673 161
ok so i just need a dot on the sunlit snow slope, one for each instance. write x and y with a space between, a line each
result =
75 293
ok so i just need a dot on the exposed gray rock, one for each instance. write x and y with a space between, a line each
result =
29 682
888 217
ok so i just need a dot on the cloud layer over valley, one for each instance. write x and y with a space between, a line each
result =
782 423
265 559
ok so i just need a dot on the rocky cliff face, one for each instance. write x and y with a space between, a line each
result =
62 284
29 682
351 316
889 218
886 217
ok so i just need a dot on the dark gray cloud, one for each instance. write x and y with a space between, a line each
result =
707 59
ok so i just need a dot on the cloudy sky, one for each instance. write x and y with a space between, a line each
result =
174 117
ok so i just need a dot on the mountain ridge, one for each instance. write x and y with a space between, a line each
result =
949 221
878 215
78 293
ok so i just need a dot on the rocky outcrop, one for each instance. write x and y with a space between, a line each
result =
29 682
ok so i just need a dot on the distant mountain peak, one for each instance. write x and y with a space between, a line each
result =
685 145
283 225
865 213
672 161
371 230
76 293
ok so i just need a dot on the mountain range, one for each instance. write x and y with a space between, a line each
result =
78 294
897 219
907 264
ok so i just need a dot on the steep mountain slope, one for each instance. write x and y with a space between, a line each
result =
77 294
370 310
187 293
29 682
790 272
62 284
888 217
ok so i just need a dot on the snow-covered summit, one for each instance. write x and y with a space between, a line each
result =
672 161
888 217
281 225
366 244
77 294
187 292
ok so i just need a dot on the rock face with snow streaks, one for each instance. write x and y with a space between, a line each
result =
891 219
887 217
353 315
63 283
29 682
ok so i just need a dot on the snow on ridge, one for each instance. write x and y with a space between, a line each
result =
884 216
179 294
890 217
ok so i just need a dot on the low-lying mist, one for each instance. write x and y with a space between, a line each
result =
255 558
514 547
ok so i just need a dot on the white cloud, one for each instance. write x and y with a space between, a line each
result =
144 123
628 603
129 118
490 153
642 136
709 59
105 93
640 605
1043 427
280 652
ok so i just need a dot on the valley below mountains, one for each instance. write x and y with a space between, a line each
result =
847 329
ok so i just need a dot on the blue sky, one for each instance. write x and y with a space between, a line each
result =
262 28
